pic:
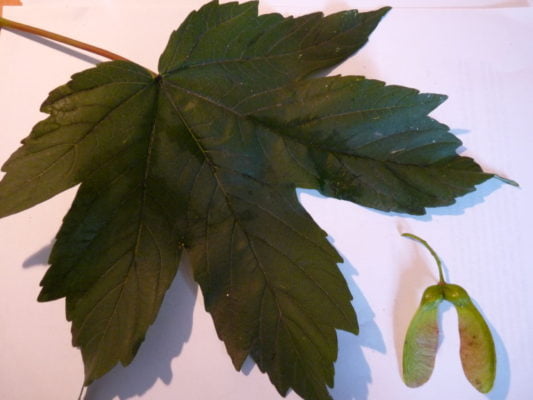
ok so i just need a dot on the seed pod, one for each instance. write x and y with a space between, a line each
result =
422 339
478 354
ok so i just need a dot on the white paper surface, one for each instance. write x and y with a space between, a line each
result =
319 4
481 58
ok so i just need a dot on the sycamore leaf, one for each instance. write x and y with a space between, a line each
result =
206 157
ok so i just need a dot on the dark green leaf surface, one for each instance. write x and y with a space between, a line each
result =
206 156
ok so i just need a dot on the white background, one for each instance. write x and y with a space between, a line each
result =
478 52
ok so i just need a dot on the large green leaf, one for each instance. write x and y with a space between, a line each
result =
206 157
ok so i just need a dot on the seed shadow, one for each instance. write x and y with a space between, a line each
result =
164 341
352 371
444 307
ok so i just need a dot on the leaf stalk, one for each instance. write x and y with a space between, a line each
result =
6 23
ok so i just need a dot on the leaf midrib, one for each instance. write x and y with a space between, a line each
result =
134 249
272 129
228 202
280 311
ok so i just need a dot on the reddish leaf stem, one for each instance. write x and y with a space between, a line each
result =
6 23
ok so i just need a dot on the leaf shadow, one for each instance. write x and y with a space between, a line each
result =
460 206
457 132
58 47
352 371
248 366
40 257
164 341
469 200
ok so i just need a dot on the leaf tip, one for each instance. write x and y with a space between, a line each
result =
378 14
507 181
44 296
442 97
